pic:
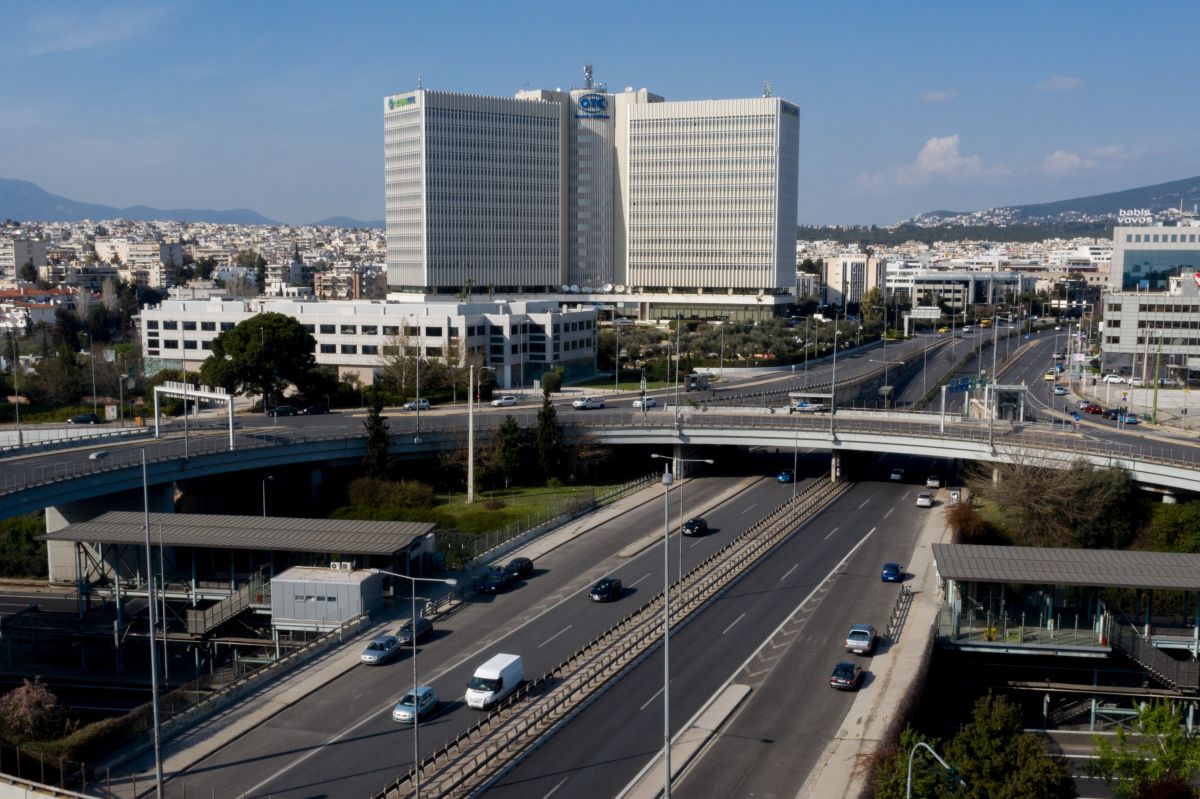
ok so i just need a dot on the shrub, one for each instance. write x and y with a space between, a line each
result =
32 712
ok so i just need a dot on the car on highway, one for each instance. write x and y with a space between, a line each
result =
496 581
1113 413
1051 374
1091 407
283 410
1081 404
380 650
648 402
424 629
846 677
421 706
1058 356
966 328
786 476
417 405
587 403
696 526
943 330
1113 379
897 475
316 409
84 418
933 481
98 455
891 573
519 568
1129 418
1137 382
507 401
607 590
861 639
1060 391
924 500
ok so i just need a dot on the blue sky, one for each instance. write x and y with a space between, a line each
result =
277 106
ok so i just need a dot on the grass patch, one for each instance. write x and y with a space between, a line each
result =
996 523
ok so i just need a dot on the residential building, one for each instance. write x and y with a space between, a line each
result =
849 276
17 251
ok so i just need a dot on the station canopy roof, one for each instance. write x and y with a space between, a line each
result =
282 534
1174 571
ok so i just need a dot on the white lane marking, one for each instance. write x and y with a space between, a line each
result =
735 621
696 543
789 572
747 510
550 793
651 699
889 512
638 580
551 638
831 532
864 503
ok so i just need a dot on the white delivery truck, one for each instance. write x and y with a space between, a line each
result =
494 680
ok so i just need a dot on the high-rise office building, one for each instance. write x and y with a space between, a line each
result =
589 191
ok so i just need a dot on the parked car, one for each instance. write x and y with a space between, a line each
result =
924 500
316 409
1129 418
1137 382
786 476
1058 356
417 405
1113 379
496 581
519 568
1113 413
648 402
696 526
507 401
861 639
1051 374
892 573
897 475
84 418
933 481
282 410
424 629
1060 391
607 590
380 650
846 677
1091 407
421 706
1081 404
587 403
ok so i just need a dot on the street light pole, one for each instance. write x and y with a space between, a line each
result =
949 769
678 470
666 482
420 351
413 639
833 381
264 493
17 391
92 362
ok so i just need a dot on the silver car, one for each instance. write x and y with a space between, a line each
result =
422 707
506 401
380 650
924 500
861 639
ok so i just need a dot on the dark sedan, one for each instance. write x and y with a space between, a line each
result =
846 677
892 573
282 410
496 581
519 568
695 526
607 590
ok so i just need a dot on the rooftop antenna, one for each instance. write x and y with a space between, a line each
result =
587 76
766 88
418 81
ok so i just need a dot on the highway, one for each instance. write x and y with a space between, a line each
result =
341 741
801 600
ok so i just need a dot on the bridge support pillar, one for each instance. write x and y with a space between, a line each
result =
61 558
1168 498
835 468
995 476
677 465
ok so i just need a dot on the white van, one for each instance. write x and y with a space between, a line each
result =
494 680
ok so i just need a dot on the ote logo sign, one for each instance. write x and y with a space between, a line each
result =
593 106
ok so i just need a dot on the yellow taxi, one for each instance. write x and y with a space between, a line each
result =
1050 375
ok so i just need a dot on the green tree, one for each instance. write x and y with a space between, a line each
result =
891 774
1175 528
378 461
547 438
551 382
28 272
32 712
871 306
503 459
998 760
1157 755
262 355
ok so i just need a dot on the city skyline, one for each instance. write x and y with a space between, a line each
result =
902 111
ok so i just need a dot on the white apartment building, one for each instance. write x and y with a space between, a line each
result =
849 276
16 251
142 263
955 289
593 193
519 339
1145 331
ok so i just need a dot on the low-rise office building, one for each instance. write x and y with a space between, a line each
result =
518 339
1149 332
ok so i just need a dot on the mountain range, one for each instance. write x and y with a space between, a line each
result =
27 202
1157 198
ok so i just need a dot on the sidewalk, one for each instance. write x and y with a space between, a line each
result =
244 714
879 707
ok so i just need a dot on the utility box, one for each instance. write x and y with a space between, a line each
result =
312 598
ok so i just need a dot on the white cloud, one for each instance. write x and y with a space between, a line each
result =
938 95
1113 152
1061 162
1059 83
939 159
62 32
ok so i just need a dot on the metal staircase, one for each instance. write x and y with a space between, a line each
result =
1182 675
255 591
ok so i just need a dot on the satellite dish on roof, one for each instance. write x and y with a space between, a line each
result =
586 289
619 288
566 289
574 289
607 288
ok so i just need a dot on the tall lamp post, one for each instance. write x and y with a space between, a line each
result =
17 392
266 479
833 381
678 470
886 363
413 639
951 771
666 482
92 363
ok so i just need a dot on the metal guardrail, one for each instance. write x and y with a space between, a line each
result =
472 760
899 614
